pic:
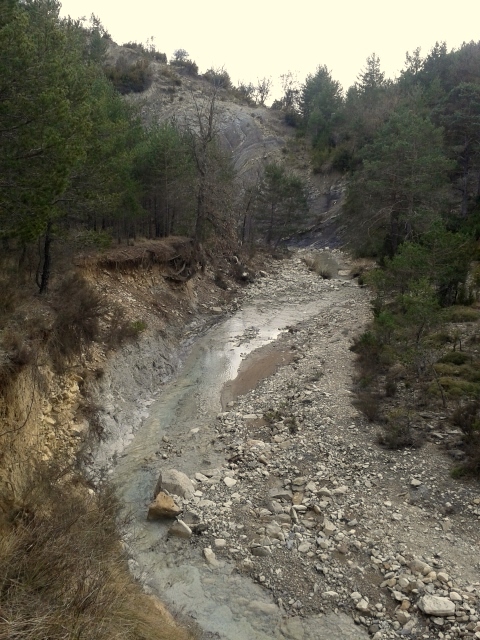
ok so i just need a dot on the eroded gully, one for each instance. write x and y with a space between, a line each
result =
179 433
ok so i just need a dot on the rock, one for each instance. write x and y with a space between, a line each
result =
280 494
402 616
210 557
455 597
180 529
340 491
443 577
437 606
175 482
220 543
163 506
260 551
418 566
415 483
230 482
328 528
362 605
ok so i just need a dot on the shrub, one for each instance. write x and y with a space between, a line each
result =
78 310
369 404
397 432
467 418
218 77
455 357
133 78
187 66
462 314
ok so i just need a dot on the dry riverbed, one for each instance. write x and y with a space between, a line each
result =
290 493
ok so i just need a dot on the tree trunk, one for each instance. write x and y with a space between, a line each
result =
47 260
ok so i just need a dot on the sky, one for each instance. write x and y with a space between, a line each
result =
261 38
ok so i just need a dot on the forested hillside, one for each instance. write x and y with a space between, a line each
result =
411 151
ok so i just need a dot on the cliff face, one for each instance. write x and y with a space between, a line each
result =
252 134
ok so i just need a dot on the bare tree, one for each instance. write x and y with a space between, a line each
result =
262 90
215 174
291 90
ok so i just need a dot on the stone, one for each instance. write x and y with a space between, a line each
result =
414 482
362 605
180 529
328 528
230 482
418 566
175 482
280 494
220 543
260 551
340 491
292 628
163 506
402 616
436 606
210 557
455 597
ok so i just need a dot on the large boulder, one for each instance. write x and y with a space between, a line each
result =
175 482
163 506
437 606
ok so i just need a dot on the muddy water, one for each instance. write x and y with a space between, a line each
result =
224 603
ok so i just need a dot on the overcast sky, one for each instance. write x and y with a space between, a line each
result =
257 38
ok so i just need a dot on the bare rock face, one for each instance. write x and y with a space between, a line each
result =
163 506
175 482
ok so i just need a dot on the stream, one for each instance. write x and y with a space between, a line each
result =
179 432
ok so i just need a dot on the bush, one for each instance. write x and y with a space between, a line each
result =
455 357
219 78
467 418
368 404
133 78
78 310
397 432
187 66
461 314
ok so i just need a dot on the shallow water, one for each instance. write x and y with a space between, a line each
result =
224 602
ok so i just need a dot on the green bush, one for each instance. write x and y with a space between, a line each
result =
461 314
188 66
219 78
456 357
133 78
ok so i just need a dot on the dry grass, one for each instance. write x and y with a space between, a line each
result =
63 575
323 264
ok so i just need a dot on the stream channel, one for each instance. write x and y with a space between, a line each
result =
224 603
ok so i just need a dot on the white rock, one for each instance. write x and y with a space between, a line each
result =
362 605
210 557
220 543
436 606
230 482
